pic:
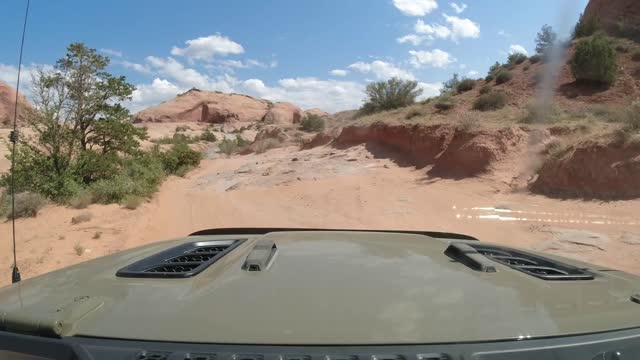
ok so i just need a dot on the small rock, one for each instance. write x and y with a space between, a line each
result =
233 187
300 179
386 166
352 159
295 159
630 238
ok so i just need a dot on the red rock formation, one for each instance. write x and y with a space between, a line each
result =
611 12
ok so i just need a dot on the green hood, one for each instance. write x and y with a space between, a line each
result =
322 288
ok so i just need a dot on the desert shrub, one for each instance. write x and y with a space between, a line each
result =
312 123
444 103
636 55
132 202
27 204
489 78
534 113
391 94
97 235
545 39
465 85
585 27
179 157
594 60
208 136
629 116
182 128
503 77
622 48
493 100
494 68
81 199
413 113
241 141
516 58
82 217
79 249
485 89
450 85
535 58
556 148
468 122
525 68
228 146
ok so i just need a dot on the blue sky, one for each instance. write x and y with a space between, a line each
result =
313 53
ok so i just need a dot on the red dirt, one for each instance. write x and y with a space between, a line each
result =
592 169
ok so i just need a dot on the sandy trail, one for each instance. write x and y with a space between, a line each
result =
328 188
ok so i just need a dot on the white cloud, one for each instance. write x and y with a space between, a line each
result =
503 33
9 76
173 69
205 48
338 72
382 70
143 69
147 95
328 95
414 39
436 30
114 53
415 7
515 49
435 58
463 66
462 28
429 90
247 64
458 8
473 73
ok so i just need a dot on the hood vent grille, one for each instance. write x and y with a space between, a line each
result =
182 261
534 265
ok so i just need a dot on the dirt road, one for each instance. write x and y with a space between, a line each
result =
330 188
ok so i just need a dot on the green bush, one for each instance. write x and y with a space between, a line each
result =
81 199
413 113
525 68
594 60
312 123
27 204
132 202
228 146
465 85
490 101
391 94
516 58
622 49
444 103
535 58
503 77
208 136
485 89
179 156
241 141
489 78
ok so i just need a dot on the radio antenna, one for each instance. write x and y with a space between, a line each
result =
13 137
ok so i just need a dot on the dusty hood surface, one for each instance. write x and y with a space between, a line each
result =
322 288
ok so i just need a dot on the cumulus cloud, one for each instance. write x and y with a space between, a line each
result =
517 49
455 28
429 90
435 58
9 76
206 48
329 95
473 73
415 7
157 91
462 28
414 39
338 72
458 8
382 70
111 52
141 68
435 30
503 33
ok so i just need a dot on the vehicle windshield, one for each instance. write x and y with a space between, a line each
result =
516 123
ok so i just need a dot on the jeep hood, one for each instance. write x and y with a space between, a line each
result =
323 288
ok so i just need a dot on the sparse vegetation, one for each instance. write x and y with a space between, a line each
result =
450 86
485 89
535 58
545 39
516 58
444 103
493 100
97 235
242 142
228 146
468 122
182 128
495 68
27 204
413 113
585 27
312 123
263 145
594 60
80 218
556 148
79 249
132 202
391 94
208 136
622 48
629 116
81 199
489 78
465 85
540 114
503 77
525 68
626 29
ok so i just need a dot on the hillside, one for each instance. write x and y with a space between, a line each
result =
7 104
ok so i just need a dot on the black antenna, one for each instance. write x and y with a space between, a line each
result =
13 137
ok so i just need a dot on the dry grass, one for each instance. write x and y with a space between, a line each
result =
263 145
81 201
132 202
468 122
82 217
79 249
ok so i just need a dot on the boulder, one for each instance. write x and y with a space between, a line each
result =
610 14
317 112
284 113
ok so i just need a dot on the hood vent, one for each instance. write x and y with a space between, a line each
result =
182 261
533 265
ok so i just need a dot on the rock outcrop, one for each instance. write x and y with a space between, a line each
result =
217 107
610 14
593 169
317 112
7 105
